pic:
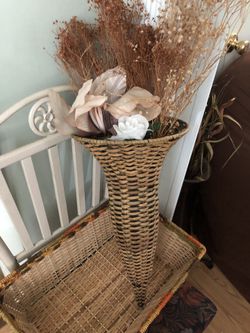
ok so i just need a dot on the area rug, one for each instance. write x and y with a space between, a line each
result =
189 311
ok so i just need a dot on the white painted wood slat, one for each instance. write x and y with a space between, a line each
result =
11 208
58 185
77 151
96 182
7 257
106 193
28 150
34 190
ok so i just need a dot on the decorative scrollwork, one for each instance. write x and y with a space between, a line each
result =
41 118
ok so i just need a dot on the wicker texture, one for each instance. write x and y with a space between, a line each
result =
132 170
79 284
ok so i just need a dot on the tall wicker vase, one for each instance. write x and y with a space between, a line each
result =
132 170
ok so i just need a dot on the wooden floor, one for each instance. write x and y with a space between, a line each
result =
233 311
233 315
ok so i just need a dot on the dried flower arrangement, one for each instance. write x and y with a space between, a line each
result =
141 65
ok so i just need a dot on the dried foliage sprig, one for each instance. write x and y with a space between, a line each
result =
213 130
82 51
170 55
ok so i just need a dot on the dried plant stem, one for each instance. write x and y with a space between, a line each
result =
171 58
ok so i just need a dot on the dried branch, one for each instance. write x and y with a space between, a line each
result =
169 58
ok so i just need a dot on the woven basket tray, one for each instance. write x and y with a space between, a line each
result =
78 284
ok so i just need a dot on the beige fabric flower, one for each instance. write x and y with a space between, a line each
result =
64 123
86 117
83 105
100 103
87 109
111 83
136 101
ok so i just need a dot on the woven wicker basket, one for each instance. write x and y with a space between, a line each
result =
132 170
78 283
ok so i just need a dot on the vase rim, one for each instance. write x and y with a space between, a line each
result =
172 137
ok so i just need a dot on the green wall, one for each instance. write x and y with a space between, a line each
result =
27 47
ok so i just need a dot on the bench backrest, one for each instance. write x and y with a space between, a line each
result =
65 159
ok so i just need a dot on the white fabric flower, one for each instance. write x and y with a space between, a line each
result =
129 128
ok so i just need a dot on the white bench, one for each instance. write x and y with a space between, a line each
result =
40 121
